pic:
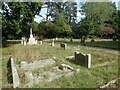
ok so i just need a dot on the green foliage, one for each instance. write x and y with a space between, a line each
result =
97 13
57 28
62 27
18 18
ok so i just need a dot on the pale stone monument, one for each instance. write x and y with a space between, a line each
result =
40 42
15 76
32 39
23 41
53 43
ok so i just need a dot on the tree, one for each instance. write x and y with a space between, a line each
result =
96 14
18 18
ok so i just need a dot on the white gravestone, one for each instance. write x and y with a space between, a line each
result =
32 39
40 42
53 44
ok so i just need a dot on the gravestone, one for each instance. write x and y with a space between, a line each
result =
40 42
92 40
16 80
63 45
56 38
83 59
83 39
53 43
32 39
23 41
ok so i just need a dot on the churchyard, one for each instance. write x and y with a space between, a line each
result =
66 44
103 66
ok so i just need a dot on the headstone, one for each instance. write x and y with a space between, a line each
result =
56 38
25 43
83 59
21 41
16 80
83 39
53 43
71 40
40 42
29 78
32 39
92 40
63 45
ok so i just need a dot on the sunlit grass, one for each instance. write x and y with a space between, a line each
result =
85 78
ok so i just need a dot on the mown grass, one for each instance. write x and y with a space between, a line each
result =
86 78
105 44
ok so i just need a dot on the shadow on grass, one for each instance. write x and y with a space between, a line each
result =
104 44
9 43
68 42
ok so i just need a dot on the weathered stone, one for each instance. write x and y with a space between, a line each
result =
32 39
63 45
65 67
56 38
25 43
41 63
16 80
53 43
70 57
40 42
29 78
24 65
83 59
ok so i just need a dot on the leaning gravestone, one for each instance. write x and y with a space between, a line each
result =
16 81
83 59
63 45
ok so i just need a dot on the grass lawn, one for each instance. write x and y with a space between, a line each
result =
86 78
106 44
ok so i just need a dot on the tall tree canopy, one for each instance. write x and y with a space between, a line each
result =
18 18
99 17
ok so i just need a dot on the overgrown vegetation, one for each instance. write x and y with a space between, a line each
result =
86 78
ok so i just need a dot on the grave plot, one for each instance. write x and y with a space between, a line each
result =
29 74
81 59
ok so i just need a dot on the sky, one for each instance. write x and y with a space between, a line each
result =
79 16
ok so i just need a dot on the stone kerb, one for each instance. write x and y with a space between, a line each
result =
36 64
83 59
16 80
63 45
